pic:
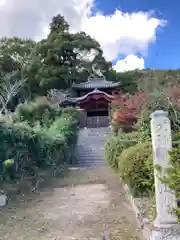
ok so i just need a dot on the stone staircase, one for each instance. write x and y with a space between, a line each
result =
90 147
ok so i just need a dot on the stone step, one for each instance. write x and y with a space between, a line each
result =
82 164
88 143
90 159
90 155
96 147
90 152
90 147
91 162
94 156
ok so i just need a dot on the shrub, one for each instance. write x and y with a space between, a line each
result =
136 168
70 111
65 126
39 109
115 145
37 147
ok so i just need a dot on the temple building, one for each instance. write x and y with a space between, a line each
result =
93 98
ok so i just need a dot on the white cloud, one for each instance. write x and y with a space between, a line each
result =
131 62
3 3
118 33
123 33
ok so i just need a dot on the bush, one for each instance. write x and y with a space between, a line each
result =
70 111
115 145
39 109
65 126
136 168
37 147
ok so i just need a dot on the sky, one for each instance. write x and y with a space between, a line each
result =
132 33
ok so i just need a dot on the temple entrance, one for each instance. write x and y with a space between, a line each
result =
97 121
97 114
93 98
97 107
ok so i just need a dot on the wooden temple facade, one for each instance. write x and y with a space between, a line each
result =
93 98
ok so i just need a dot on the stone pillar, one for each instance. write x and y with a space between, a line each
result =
165 197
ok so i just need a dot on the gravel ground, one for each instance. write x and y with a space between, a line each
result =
83 205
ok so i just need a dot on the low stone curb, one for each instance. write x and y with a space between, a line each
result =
141 220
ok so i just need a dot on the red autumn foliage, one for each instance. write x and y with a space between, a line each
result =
128 107
173 96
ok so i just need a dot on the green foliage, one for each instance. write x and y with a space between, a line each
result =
176 140
59 24
115 145
33 148
176 137
143 127
8 169
129 80
8 163
14 52
65 126
52 63
71 111
136 168
38 110
60 59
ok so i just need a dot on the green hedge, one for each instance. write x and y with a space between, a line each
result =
136 168
116 144
132 160
29 148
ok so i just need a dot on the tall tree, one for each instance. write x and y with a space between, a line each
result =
63 57
14 52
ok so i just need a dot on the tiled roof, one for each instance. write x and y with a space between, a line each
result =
94 83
